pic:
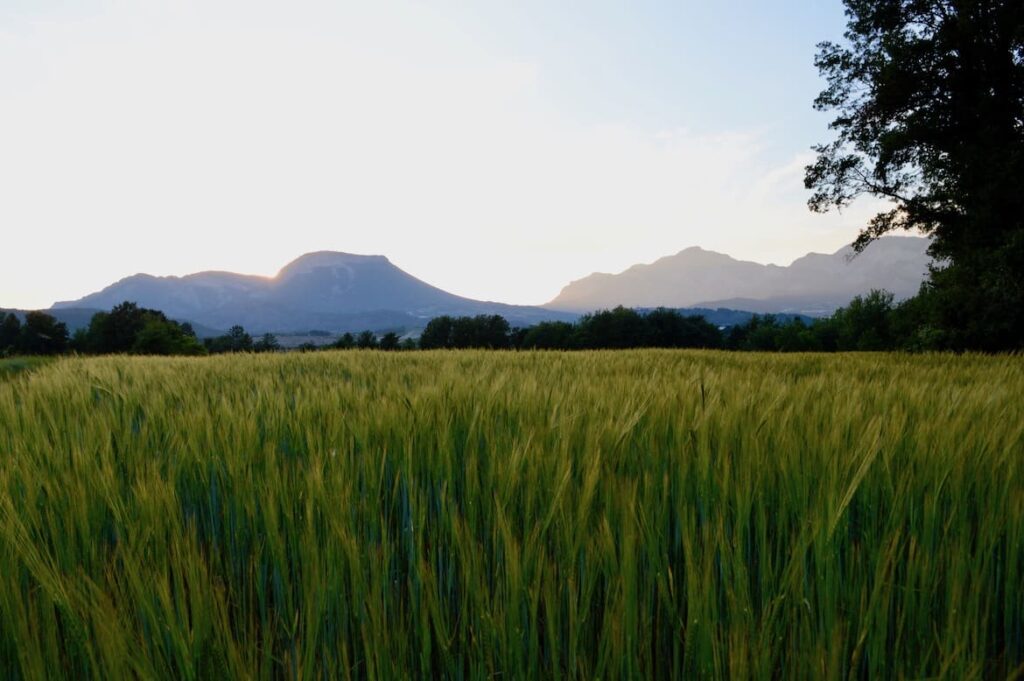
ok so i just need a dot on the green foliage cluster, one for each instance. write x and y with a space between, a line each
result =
128 328
235 340
869 323
367 340
482 331
928 104
618 328
639 514
41 334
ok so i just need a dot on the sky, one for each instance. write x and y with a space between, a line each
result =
497 150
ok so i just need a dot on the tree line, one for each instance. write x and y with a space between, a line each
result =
127 328
872 322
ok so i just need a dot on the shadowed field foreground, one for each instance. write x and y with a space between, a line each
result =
500 515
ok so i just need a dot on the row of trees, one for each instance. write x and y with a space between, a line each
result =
367 340
128 328
238 340
40 334
871 322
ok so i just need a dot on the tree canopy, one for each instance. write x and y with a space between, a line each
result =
129 328
928 97
41 334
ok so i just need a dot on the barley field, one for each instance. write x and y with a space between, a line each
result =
475 515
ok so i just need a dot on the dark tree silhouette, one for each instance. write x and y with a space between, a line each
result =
161 336
550 336
268 343
390 341
42 334
235 340
130 328
366 340
10 329
929 104
618 328
346 342
437 334
115 331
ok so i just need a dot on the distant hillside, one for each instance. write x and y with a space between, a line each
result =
326 290
814 285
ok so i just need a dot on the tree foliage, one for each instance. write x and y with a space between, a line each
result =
390 341
10 330
481 331
928 97
366 340
235 340
128 328
268 343
42 334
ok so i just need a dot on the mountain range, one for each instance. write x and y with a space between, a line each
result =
338 292
815 284
325 290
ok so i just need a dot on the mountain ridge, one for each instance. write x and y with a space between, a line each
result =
815 283
327 290
337 291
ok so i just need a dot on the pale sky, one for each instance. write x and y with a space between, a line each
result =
497 150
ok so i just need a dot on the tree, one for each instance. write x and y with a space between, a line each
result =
161 336
130 328
929 103
240 340
10 330
437 334
346 342
115 331
670 329
494 332
866 323
389 341
366 340
268 343
550 336
42 334
235 340
618 328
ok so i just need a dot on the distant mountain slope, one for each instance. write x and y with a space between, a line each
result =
325 290
815 284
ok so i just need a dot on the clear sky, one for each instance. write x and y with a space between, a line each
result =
495 149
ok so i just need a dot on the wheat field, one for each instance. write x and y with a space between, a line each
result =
488 515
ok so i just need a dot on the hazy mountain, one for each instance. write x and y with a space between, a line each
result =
324 290
815 284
